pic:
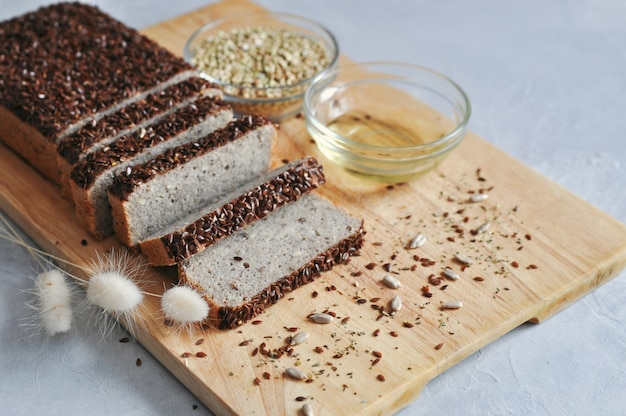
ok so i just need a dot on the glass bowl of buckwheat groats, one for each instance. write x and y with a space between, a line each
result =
262 61
386 120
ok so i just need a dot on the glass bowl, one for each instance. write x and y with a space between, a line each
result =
257 78
391 121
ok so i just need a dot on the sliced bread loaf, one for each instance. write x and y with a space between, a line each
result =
241 275
184 179
91 177
66 64
99 133
223 217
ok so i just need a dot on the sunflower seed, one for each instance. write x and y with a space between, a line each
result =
453 304
307 410
321 318
391 282
296 374
450 274
463 259
483 228
479 197
418 241
396 303
299 338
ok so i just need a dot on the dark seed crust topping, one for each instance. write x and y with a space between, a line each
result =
229 317
125 183
127 147
67 61
71 147
255 204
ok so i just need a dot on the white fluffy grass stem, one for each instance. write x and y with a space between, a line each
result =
111 286
184 306
54 301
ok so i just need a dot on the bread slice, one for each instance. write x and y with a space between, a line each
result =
99 133
68 63
91 177
224 216
241 275
148 197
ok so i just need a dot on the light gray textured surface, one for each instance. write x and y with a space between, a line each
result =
547 84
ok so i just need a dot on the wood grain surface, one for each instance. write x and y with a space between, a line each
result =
544 249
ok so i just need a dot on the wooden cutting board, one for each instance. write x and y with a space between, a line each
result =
544 249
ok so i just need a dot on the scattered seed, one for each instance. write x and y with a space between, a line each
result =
407 324
300 398
377 354
370 266
257 381
391 282
124 340
201 354
515 264
479 197
138 362
439 346
321 318
532 267
376 332
483 228
244 343
318 349
453 304
393 334
200 341
479 278
463 259
345 320
387 267
528 237
267 375
380 377
257 322
450 274
417 241
396 303
307 410
314 294
186 355
299 338
361 301
296 374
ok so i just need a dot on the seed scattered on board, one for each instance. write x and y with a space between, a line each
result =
299 338
296 374
321 318
391 282
307 410
463 259
418 241
450 274
453 304
396 303
479 197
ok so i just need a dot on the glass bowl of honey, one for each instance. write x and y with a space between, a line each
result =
387 120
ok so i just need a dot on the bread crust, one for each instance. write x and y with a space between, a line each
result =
252 205
227 317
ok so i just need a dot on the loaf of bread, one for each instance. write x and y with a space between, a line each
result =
223 217
241 275
99 133
147 197
91 177
67 64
